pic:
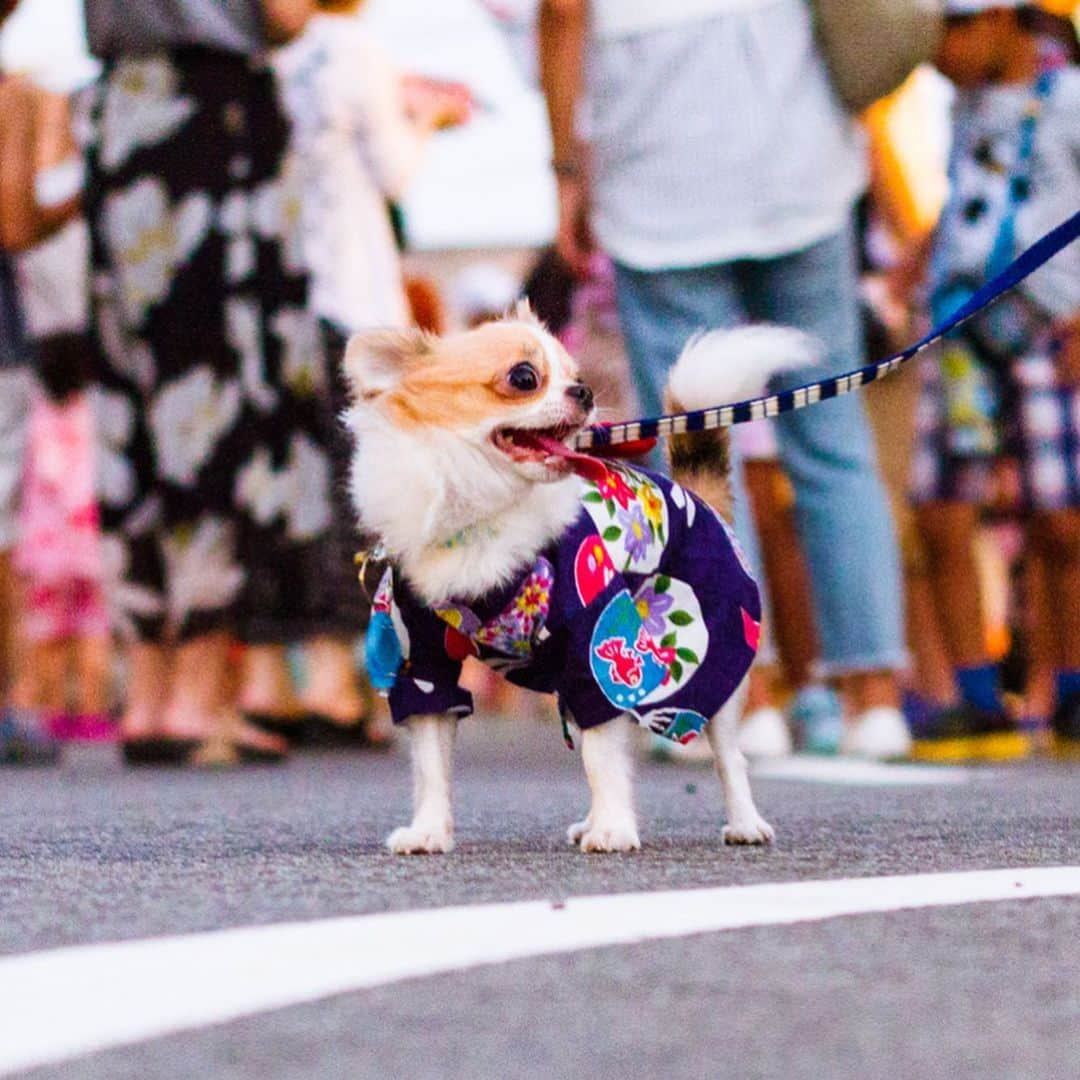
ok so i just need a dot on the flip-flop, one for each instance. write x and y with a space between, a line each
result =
289 728
324 732
161 751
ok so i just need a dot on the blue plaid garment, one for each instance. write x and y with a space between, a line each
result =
644 606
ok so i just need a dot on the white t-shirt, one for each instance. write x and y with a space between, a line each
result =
355 148
716 135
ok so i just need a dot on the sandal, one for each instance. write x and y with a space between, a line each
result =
162 751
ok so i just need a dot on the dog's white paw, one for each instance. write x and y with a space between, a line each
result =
577 831
755 830
421 839
607 836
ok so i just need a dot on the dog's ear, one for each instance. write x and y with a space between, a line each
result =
376 360
523 312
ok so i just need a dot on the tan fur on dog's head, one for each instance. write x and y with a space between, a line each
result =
506 375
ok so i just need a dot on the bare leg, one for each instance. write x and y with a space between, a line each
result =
92 658
432 828
1057 536
197 696
41 683
785 570
333 688
932 669
948 531
147 687
266 685
745 825
611 824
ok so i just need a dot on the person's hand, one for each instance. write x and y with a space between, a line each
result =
435 104
574 239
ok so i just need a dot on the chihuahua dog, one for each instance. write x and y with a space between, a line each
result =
620 590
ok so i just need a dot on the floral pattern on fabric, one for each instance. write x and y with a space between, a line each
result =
214 477
667 647
631 516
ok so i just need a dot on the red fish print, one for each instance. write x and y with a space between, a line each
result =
625 665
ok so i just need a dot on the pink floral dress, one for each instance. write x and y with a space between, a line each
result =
58 552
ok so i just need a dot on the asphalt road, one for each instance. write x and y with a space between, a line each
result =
90 853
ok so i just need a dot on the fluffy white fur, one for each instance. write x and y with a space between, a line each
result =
725 366
418 489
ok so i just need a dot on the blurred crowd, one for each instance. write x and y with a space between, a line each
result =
187 244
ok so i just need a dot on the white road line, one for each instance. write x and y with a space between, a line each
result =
65 1003
848 771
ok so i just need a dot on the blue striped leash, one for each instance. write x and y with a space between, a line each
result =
800 397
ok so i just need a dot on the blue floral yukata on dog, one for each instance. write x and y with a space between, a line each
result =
644 606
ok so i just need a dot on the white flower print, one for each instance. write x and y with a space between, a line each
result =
259 488
149 240
308 507
276 214
127 355
300 491
243 333
302 367
234 219
200 568
114 421
141 108
124 599
188 418
234 216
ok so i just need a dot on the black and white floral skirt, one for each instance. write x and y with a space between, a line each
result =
215 482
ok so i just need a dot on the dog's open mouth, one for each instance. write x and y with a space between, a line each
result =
545 446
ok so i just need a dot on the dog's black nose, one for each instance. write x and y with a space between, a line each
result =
581 394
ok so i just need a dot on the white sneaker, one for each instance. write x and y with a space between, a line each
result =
764 734
880 734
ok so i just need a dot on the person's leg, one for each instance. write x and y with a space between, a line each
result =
148 667
266 686
785 569
195 699
1056 535
332 688
658 313
828 450
92 662
948 533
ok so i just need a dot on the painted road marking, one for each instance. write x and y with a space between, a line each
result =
849 771
65 1003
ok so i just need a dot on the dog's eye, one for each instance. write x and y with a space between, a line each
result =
524 378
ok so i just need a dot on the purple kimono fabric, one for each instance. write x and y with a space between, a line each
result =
644 606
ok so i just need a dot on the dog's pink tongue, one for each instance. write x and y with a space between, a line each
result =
581 463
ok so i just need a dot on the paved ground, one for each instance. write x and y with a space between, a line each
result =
93 853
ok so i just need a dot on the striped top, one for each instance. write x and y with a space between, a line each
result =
718 137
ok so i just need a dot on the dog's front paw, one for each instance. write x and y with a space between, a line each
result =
577 831
755 830
421 839
607 836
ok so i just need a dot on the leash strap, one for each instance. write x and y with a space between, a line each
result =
800 397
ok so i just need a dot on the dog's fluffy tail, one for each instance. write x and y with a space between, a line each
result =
719 368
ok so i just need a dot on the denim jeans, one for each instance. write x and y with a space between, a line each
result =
828 452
